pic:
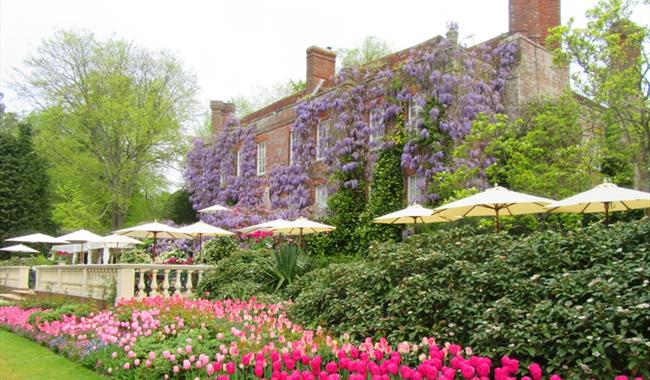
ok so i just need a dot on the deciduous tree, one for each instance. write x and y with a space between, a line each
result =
611 53
109 113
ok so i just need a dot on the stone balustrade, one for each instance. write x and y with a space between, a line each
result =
126 280
16 277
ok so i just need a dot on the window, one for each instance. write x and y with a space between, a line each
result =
293 142
413 111
322 134
261 158
413 189
321 197
239 158
376 126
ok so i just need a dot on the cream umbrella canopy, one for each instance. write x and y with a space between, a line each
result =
300 227
213 209
38 238
153 230
200 229
606 198
266 226
117 240
19 248
81 236
495 202
413 214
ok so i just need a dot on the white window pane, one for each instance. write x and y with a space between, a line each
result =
322 134
413 189
321 196
291 145
376 126
261 158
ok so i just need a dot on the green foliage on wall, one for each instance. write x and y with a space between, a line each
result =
385 196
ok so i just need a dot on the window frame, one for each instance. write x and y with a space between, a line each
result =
413 191
321 147
321 195
292 137
261 158
377 129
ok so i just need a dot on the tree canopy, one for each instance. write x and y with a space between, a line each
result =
25 201
109 115
611 53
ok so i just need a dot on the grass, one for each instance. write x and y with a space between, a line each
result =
22 359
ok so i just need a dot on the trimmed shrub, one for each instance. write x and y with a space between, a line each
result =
218 248
580 300
241 275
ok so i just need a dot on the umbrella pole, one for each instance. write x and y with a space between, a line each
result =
153 250
200 249
302 244
606 213
498 227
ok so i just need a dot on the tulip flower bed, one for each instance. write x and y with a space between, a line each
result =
199 339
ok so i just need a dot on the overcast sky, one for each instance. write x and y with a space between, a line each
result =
236 46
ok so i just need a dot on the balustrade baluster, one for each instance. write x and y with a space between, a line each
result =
166 284
141 285
188 283
154 283
177 283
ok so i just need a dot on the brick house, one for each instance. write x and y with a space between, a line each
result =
534 76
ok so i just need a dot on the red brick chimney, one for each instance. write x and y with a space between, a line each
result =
221 113
321 64
533 18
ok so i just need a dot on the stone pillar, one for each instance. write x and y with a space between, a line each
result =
125 282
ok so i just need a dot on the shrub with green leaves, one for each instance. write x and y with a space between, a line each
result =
218 248
579 300
135 256
240 275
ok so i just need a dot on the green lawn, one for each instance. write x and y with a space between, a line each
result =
22 359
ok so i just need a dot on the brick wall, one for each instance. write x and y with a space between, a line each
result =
533 18
534 76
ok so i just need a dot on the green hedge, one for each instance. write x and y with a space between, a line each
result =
577 300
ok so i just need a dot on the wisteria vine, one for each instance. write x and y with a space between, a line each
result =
447 85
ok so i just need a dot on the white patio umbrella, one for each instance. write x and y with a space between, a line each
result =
494 202
213 209
153 230
19 248
606 198
38 238
200 229
117 240
266 226
81 236
300 227
413 214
